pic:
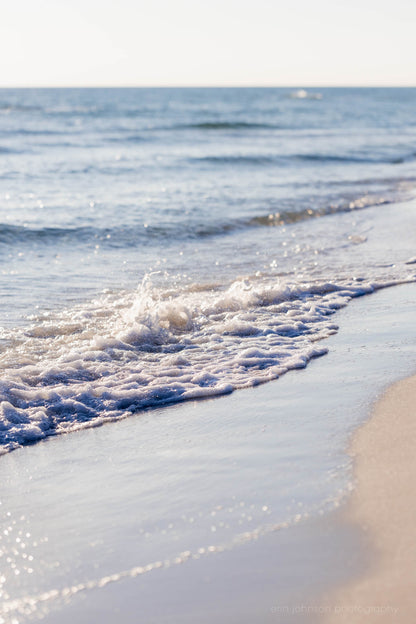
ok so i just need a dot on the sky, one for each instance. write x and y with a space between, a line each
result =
211 43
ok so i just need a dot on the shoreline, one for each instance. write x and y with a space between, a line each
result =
119 516
383 507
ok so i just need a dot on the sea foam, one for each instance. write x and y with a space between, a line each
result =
124 352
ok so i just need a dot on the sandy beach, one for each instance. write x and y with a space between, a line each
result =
383 505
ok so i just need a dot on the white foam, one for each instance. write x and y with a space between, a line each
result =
125 352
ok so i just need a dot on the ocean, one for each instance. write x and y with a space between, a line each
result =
163 246
159 245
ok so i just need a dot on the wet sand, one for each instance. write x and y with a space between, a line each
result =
384 506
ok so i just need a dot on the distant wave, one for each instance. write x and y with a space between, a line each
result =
286 217
9 107
78 111
130 138
392 160
71 110
114 168
31 132
392 182
132 235
99 111
282 159
120 236
8 150
249 159
225 125
12 234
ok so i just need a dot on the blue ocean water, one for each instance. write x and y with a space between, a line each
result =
159 245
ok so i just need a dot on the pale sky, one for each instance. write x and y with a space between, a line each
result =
215 42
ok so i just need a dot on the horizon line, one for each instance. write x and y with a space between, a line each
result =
211 86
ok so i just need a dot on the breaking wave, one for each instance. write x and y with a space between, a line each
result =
125 353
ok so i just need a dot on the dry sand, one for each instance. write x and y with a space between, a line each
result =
384 506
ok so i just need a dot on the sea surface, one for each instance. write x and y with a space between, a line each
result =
159 245
168 245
